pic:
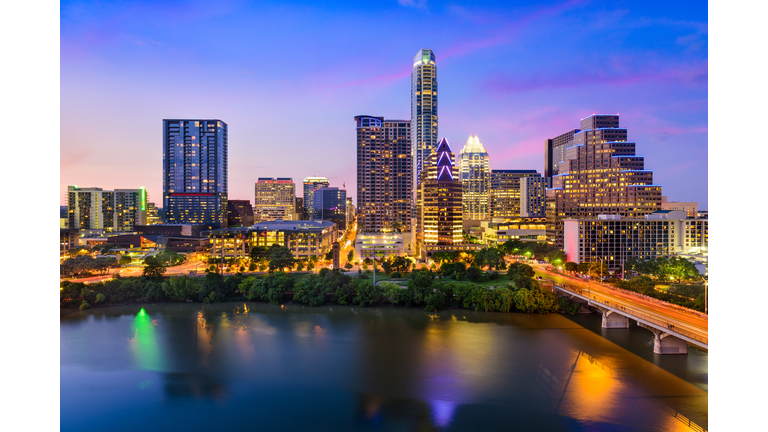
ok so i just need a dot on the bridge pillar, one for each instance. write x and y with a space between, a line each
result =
612 319
665 343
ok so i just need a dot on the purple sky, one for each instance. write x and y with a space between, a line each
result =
289 78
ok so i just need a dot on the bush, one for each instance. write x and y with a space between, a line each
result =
396 275
474 273
84 305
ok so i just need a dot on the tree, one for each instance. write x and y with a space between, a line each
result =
280 257
492 257
153 268
329 255
259 253
125 260
348 265
474 273
513 246
400 264
571 266
351 255
557 257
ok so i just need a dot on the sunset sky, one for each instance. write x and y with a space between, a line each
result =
288 78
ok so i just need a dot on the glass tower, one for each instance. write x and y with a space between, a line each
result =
423 110
475 176
195 171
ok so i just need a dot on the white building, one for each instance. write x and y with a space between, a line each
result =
383 244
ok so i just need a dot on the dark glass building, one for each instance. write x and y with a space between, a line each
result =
330 203
239 213
195 171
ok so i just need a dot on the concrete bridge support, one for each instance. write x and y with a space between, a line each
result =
613 319
665 343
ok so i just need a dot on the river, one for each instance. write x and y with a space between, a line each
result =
182 366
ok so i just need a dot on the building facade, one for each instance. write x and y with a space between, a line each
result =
351 212
299 212
526 229
330 203
384 174
505 192
380 244
612 239
533 194
112 211
69 238
153 215
274 198
310 184
475 175
440 195
239 213
303 238
554 152
423 111
690 208
601 174
195 171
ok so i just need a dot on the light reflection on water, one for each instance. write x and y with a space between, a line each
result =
357 369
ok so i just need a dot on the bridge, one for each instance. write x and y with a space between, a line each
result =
673 327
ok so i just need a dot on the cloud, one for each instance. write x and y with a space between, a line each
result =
413 3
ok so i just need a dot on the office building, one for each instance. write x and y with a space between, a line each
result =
195 171
690 208
239 213
274 198
303 238
423 111
330 203
505 192
525 229
554 152
111 211
153 215
384 175
600 175
440 192
612 239
533 194
298 209
475 175
310 184
381 244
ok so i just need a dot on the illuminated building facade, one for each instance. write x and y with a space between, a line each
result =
384 175
350 211
423 111
303 238
239 213
330 203
195 171
600 175
475 175
382 244
533 194
310 184
112 211
274 198
690 208
153 215
505 192
613 239
440 194
526 229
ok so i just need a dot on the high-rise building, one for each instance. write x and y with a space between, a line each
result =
239 213
330 203
423 111
274 198
195 171
440 192
299 212
554 152
505 192
475 175
310 184
533 194
153 215
384 194
600 175
112 211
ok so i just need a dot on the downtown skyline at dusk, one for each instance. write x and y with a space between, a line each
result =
289 80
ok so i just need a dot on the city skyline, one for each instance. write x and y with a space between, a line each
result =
659 86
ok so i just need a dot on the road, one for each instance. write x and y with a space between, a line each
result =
677 316
137 271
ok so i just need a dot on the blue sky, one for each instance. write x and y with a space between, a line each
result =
288 78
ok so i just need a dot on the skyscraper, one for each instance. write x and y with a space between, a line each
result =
330 203
195 171
113 211
423 110
475 176
533 193
440 192
384 180
310 184
554 152
600 175
239 213
505 192
274 198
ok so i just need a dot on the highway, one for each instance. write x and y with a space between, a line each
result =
686 322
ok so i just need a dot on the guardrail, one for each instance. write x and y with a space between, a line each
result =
635 313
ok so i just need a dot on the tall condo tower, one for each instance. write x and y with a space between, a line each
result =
440 191
195 171
423 111
599 174
475 176
384 181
